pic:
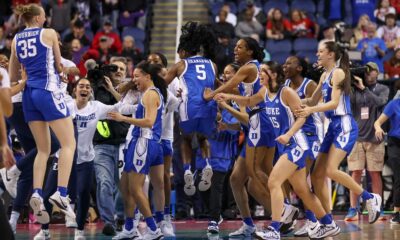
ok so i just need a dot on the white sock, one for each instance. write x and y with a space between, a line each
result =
14 217
14 170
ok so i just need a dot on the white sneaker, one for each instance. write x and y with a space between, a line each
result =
166 228
36 202
13 226
312 228
243 232
189 187
288 218
269 233
213 227
79 235
303 231
374 208
125 234
62 203
206 175
10 179
324 230
42 235
153 235
70 222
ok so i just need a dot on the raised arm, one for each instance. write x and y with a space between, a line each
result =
174 71
241 115
313 98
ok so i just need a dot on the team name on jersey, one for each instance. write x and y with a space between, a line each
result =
28 34
272 111
189 60
324 92
85 118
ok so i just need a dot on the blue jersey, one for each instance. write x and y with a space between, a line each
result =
344 102
249 89
153 133
37 59
198 75
392 111
282 120
313 125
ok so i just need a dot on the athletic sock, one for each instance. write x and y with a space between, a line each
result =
327 219
38 191
151 223
62 190
310 216
159 216
366 195
248 221
14 217
276 225
186 166
129 223
166 211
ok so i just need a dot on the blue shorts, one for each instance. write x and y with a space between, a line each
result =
42 105
166 147
261 131
314 146
142 154
204 126
295 153
342 132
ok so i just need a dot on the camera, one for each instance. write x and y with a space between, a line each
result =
96 75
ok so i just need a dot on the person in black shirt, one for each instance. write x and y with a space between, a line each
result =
78 32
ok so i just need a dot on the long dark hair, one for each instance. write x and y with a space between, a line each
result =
252 44
153 70
196 37
344 64
275 67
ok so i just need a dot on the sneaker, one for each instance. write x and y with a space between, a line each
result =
62 203
303 231
243 232
166 228
288 218
13 226
108 230
10 180
189 187
206 175
44 234
396 218
153 235
36 202
269 233
324 230
374 208
213 227
79 235
125 234
352 215
70 222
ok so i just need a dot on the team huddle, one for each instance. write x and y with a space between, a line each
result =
279 110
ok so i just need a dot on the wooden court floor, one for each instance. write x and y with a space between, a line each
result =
197 230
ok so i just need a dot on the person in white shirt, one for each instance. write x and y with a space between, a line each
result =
231 18
389 32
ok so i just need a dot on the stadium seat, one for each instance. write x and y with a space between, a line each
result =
137 33
280 4
218 5
242 5
307 6
308 55
140 45
280 57
275 46
305 44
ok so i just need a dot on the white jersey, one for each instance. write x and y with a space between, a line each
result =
69 101
5 82
86 122
168 117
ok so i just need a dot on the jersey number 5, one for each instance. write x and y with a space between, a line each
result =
201 72
28 48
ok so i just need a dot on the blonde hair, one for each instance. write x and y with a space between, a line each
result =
28 12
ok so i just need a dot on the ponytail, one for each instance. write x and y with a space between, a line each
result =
154 71
28 12
280 76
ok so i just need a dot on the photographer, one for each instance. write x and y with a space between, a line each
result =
367 101
107 140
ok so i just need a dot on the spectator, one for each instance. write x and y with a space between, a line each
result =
107 31
90 54
360 31
231 18
224 52
328 33
223 27
111 11
331 11
390 33
392 112
130 50
249 27
2 38
301 25
278 28
396 5
157 58
392 67
60 13
130 11
258 14
372 48
78 32
367 101
88 11
361 7
7 46
105 50
77 50
383 8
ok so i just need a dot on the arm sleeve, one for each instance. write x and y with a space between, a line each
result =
380 98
